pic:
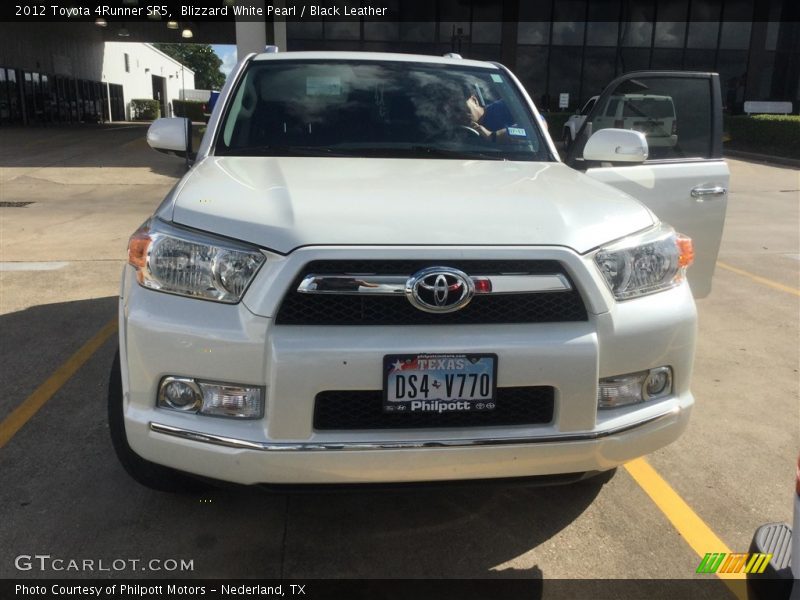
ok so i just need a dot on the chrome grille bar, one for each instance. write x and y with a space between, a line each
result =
390 285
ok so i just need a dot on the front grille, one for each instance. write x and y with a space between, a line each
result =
363 409
327 309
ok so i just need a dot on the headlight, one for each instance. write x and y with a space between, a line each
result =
190 263
645 263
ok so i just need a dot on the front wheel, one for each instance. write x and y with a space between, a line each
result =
149 474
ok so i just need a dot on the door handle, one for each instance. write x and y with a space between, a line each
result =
700 193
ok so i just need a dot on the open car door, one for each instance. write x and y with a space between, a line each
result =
683 179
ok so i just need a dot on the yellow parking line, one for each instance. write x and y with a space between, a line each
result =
761 280
23 413
691 527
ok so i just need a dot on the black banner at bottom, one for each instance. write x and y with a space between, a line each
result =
385 589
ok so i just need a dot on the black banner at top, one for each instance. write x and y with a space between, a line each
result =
395 10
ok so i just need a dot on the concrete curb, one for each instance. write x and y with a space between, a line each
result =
763 158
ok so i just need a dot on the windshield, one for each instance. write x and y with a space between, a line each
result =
378 109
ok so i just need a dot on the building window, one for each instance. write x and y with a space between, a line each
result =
670 34
127 63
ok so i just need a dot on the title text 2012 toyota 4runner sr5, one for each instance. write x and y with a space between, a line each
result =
379 270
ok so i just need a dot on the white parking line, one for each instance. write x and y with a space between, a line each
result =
32 266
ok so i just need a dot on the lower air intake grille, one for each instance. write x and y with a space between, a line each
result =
363 409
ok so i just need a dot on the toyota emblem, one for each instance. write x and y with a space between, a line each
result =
439 289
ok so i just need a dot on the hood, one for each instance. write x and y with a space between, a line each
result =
282 203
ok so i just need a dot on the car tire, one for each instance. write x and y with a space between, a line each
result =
149 474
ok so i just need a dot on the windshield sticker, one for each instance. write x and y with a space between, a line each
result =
497 78
323 86
516 132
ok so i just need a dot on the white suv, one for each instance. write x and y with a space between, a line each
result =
378 270
652 114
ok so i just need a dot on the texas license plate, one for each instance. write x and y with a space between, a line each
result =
439 383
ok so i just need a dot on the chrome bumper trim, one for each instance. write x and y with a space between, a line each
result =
391 285
218 440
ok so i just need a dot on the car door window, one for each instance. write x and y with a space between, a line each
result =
674 114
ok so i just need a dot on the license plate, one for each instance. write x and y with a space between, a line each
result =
439 383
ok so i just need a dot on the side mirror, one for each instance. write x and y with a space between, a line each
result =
616 145
171 136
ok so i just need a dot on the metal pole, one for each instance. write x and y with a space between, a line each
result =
108 99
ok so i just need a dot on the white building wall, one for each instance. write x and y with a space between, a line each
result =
144 61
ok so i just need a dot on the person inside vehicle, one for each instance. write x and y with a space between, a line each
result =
492 121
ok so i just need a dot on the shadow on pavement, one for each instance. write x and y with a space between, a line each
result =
63 493
115 145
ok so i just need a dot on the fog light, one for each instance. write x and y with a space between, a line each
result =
179 394
208 398
658 383
623 390
226 400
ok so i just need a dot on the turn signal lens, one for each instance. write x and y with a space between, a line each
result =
138 245
685 250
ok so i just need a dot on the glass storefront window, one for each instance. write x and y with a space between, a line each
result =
598 71
418 31
13 95
735 35
636 34
702 34
565 75
342 30
670 34
532 72
529 32
5 108
636 28
486 32
667 59
602 33
602 28
633 59
732 69
487 27
568 33
453 31
381 31
569 22
304 30
698 60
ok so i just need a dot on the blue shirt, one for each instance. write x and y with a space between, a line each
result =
497 116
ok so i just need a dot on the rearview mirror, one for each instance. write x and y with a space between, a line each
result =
171 136
616 145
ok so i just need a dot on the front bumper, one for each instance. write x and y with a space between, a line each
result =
164 335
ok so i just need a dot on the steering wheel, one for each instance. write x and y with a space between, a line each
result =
474 132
